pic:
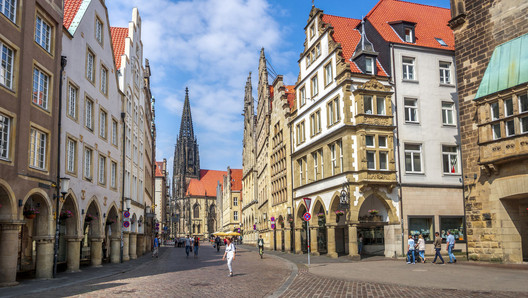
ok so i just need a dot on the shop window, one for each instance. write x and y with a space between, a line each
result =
421 225
453 224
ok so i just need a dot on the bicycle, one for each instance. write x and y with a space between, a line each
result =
261 251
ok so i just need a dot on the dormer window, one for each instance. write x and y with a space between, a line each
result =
409 34
369 65
312 31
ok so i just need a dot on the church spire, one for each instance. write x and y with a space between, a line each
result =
186 126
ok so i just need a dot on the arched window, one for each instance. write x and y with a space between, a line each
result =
194 229
198 229
196 211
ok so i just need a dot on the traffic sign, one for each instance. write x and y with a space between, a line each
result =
126 224
126 214
307 216
273 226
272 218
255 227
307 202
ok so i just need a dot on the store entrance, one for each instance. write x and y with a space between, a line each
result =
373 239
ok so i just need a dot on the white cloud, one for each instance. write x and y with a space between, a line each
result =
210 46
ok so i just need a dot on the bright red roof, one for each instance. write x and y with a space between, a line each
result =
118 41
290 92
431 22
236 179
159 167
346 34
71 7
207 183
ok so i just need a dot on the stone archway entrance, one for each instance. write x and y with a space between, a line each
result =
337 220
301 227
112 236
69 239
318 236
9 232
282 233
515 248
373 218
91 244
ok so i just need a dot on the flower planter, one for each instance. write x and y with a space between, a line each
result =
30 216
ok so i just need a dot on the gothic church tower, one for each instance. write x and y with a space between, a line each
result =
186 154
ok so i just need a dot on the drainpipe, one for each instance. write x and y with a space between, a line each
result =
123 187
64 61
398 149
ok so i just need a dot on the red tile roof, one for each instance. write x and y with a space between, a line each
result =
431 22
236 179
346 34
71 7
118 41
207 183
159 167
290 92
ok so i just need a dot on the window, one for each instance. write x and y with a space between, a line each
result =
367 104
315 123
88 163
333 156
99 31
383 160
523 103
90 66
312 31
411 110
409 34
450 159
441 42
508 107
369 65
102 169
113 174
445 73
303 96
8 8
102 124
104 80
196 211
369 141
71 154
328 74
382 142
408 68
114 132
334 112
314 86
6 64
496 128
300 164
496 131
413 158
380 105
337 110
88 114
300 133
448 112
5 136
43 34
509 127
453 224
38 144
371 160
524 125
235 215
340 145
72 101
494 111
316 165
40 88
423 226
235 201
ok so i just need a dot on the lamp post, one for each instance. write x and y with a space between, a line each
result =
64 186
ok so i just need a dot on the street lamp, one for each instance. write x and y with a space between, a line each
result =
127 202
64 187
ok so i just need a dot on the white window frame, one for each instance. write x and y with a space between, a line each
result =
90 66
88 114
114 132
373 138
523 99
322 162
340 146
38 149
300 162
408 34
333 157
302 96
11 6
103 116
43 33
412 153
7 56
328 74
99 30
508 103
386 154
452 159
371 153
445 72
316 165
235 216
104 80
368 98
494 110
113 174
523 121
41 84
87 163
102 170
496 131
509 125
71 154
448 113
408 68
73 95
235 201
314 83
379 141
380 101
411 111
369 65
5 136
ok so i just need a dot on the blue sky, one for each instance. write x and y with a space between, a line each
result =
211 46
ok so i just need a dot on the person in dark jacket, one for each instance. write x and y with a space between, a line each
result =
438 247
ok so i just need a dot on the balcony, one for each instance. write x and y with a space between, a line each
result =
504 150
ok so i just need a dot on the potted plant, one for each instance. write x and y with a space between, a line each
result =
340 212
373 212
65 214
110 222
90 217
140 222
30 213
290 219
320 215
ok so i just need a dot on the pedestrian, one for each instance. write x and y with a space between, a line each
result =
187 245
410 250
196 243
155 252
360 243
217 243
438 247
192 240
421 247
230 252
450 240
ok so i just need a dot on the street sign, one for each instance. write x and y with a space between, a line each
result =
126 224
254 227
273 226
239 230
307 202
307 216
126 214
272 218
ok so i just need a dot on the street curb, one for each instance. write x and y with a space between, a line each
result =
288 281
74 282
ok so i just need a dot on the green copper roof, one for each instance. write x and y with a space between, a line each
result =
508 67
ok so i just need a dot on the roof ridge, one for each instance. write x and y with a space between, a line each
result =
331 15
432 6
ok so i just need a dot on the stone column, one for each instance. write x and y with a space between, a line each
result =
73 253
44 266
140 245
115 249
96 251
298 249
313 241
331 243
352 242
8 254
133 245
126 257
287 239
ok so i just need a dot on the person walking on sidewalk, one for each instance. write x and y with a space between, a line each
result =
438 247
230 252
260 245
410 250
450 240
155 251
196 246
217 243
187 245
421 247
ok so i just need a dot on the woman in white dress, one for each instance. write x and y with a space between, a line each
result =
421 247
230 251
